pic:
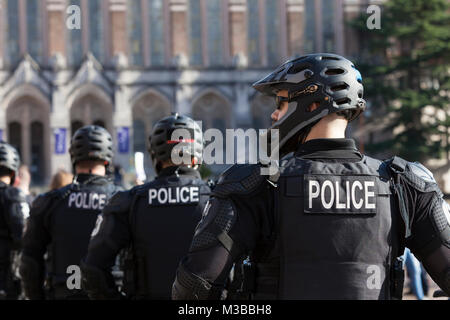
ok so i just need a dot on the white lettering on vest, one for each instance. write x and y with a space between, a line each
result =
173 195
334 195
87 201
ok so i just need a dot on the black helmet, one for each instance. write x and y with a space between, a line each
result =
161 142
91 143
324 78
9 158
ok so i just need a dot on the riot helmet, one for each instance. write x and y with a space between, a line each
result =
9 159
330 81
162 142
91 143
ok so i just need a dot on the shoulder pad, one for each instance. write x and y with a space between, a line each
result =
239 179
421 171
120 202
15 195
42 202
415 174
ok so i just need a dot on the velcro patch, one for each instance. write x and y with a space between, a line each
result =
340 194
168 196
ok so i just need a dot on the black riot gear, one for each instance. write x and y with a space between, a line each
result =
9 159
155 222
13 211
171 131
91 143
332 226
60 224
330 80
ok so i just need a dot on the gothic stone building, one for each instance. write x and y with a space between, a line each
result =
132 62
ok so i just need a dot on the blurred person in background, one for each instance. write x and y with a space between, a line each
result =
61 221
156 220
23 182
61 179
414 272
14 210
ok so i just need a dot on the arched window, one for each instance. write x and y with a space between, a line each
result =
215 32
74 41
75 126
96 30
34 29
328 17
99 123
310 27
15 135
253 29
213 111
11 46
147 110
134 26
37 159
273 36
139 136
195 26
157 25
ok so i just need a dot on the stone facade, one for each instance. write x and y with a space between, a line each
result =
134 61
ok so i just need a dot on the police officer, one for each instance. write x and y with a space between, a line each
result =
61 221
155 220
333 222
13 211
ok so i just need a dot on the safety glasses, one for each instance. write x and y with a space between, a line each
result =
279 100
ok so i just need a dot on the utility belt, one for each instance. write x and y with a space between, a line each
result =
260 280
252 278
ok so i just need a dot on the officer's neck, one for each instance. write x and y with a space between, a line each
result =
329 127
6 179
96 170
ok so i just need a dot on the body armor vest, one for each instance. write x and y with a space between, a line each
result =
163 217
70 225
336 235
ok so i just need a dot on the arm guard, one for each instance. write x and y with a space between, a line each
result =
429 236
188 286
110 235
214 237
18 210
98 284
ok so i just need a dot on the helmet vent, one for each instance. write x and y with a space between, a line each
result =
330 58
334 71
339 87
297 68
343 101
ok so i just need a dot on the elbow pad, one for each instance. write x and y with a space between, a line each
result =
433 231
189 286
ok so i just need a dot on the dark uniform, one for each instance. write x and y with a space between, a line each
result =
13 211
156 221
61 222
334 223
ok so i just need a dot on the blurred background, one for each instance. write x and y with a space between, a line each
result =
132 62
